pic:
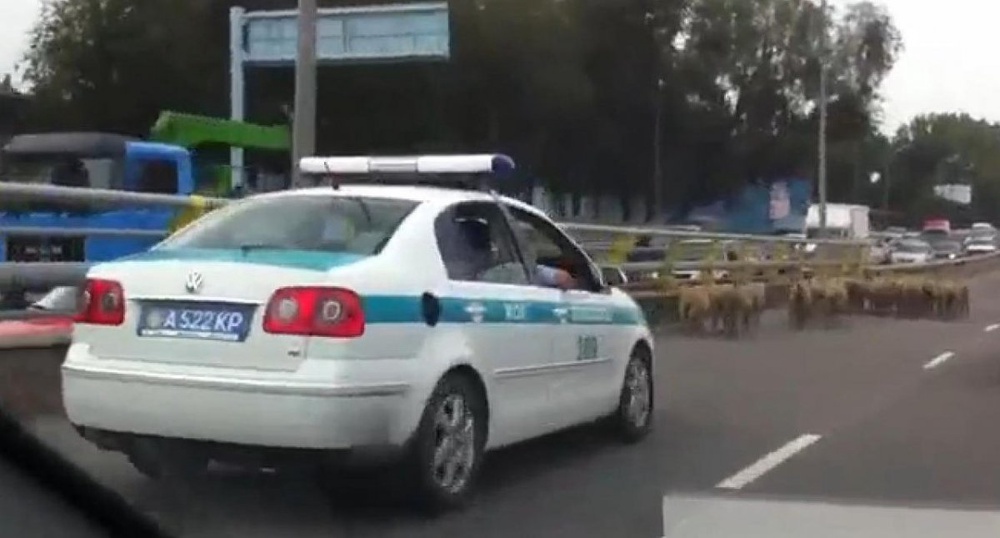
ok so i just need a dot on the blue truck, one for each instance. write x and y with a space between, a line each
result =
96 160
769 208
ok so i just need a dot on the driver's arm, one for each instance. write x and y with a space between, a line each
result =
553 278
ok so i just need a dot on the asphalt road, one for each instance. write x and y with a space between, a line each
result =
876 411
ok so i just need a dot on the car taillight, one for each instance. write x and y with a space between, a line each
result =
315 311
102 302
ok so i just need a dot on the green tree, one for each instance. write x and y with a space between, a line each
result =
114 64
752 69
937 149
573 88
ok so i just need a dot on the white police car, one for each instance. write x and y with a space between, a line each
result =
344 319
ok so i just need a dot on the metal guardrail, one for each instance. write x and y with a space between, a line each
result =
44 276
11 192
41 276
33 313
655 231
76 232
641 290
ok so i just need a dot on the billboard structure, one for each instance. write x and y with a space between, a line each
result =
959 194
350 35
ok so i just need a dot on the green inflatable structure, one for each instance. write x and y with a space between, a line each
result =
193 132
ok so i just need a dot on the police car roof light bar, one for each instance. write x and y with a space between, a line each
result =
493 164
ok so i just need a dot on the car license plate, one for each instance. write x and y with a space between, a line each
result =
206 321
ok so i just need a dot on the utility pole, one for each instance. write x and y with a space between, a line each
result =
821 173
658 85
657 152
304 114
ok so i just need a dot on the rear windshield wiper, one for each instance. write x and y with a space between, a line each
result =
364 207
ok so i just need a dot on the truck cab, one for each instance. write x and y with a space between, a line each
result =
87 160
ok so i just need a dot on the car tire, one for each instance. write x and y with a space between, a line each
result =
453 427
633 419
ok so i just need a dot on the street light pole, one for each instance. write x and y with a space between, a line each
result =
821 173
304 122
887 184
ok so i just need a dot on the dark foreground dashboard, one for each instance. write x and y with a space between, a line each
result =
42 495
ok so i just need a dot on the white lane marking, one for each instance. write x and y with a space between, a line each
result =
991 328
936 361
768 462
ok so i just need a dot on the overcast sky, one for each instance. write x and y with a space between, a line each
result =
950 62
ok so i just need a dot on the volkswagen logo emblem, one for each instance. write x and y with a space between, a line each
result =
194 282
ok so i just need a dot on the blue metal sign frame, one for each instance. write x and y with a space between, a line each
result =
348 35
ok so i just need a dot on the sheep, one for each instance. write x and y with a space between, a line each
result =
963 301
913 297
829 299
799 305
952 301
718 296
858 292
754 296
729 306
883 296
909 297
694 304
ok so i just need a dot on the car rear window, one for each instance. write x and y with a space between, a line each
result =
912 246
357 225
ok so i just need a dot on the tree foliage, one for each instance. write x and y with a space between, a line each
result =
580 91
939 149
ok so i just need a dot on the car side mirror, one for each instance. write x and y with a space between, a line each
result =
613 275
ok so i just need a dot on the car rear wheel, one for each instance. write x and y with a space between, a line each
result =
633 419
448 449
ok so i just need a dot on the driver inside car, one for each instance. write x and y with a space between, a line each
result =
476 234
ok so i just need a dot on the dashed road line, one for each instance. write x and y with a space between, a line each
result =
768 462
940 359
991 328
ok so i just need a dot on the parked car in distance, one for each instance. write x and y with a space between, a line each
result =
944 248
880 250
988 234
911 251
980 245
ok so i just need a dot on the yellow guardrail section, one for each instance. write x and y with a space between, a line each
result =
198 207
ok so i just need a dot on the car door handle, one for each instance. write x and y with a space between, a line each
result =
560 312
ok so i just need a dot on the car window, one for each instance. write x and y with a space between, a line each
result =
549 246
912 247
311 223
476 245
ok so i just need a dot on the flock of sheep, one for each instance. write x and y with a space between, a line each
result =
732 309
736 309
